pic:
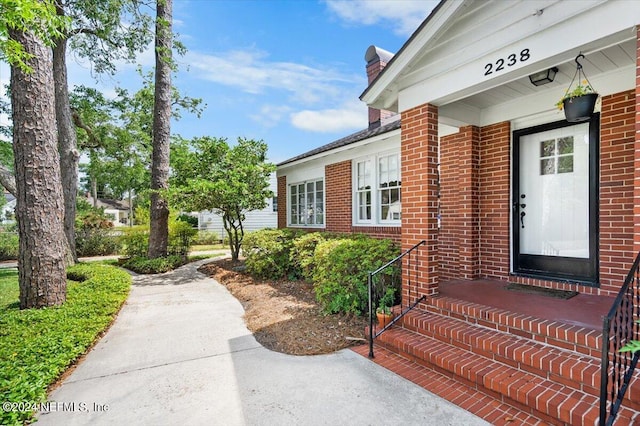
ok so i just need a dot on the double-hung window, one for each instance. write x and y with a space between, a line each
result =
306 203
377 190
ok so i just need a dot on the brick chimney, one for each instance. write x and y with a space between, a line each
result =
377 59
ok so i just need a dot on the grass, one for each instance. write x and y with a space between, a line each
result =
37 345
207 247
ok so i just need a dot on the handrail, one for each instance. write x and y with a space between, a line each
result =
410 306
618 367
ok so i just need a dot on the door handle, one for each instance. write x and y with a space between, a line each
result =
522 215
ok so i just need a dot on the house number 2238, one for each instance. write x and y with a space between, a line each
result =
509 61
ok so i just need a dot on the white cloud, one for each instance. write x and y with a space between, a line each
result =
270 115
403 16
251 72
351 116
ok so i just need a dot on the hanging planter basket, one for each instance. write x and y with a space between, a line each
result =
578 103
580 108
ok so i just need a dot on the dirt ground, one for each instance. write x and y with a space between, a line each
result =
284 315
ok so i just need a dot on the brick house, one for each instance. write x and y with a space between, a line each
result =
319 184
503 190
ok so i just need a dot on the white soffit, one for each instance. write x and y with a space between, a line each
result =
447 58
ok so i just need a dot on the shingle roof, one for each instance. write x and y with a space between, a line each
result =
347 140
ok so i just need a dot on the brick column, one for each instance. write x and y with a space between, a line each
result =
338 195
282 201
469 238
419 158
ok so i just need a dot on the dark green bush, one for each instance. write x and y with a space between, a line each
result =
341 271
191 220
144 265
8 245
267 252
302 258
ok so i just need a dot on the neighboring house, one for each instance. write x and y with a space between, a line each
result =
8 213
116 210
254 220
503 190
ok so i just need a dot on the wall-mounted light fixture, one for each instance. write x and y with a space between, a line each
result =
543 77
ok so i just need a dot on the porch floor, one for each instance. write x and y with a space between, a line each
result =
583 310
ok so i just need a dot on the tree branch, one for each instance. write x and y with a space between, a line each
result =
77 120
7 179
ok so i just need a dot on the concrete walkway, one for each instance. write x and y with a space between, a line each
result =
180 353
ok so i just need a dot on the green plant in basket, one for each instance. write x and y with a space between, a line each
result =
581 89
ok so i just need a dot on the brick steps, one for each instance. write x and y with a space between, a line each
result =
484 406
541 371
566 336
580 372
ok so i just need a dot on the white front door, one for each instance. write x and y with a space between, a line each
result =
553 216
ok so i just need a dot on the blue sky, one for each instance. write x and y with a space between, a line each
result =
288 72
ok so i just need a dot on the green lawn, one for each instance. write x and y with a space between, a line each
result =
208 247
37 345
8 288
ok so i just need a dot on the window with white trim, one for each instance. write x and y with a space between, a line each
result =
377 190
306 203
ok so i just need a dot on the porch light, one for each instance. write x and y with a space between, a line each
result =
543 77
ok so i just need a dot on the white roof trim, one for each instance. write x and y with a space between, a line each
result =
443 12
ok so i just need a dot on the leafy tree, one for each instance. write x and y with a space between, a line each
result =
101 31
207 174
159 212
116 135
27 28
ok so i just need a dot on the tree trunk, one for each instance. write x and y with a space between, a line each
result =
67 147
159 228
40 205
94 192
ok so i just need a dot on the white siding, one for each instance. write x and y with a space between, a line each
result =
255 220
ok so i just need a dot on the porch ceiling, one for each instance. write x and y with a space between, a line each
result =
610 70
594 64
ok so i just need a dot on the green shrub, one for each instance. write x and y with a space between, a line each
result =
144 265
180 237
267 252
96 242
37 345
341 271
8 246
301 258
135 241
206 238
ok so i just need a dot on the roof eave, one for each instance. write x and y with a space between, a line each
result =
385 84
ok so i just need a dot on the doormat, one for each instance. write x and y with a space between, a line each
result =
551 292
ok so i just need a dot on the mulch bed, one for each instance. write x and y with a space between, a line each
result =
284 315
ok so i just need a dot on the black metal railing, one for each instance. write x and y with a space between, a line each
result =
389 276
620 327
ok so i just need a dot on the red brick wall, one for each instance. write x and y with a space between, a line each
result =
448 234
282 201
458 240
419 157
338 205
617 148
493 200
636 194
338 197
